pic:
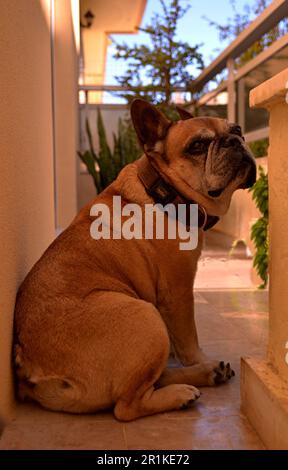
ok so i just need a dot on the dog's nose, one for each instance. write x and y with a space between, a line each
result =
231 141
235 129
234 141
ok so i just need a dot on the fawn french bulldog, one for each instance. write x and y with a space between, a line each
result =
95 320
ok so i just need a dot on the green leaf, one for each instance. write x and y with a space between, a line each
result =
259 230
110 162
88 159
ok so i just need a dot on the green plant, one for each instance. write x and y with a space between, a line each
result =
155 69
105 165
259 148
259 230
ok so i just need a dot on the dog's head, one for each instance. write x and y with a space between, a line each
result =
204 158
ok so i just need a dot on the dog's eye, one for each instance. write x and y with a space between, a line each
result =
198 147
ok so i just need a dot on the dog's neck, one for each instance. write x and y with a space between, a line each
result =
163 193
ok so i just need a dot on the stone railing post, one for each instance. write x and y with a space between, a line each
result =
264 383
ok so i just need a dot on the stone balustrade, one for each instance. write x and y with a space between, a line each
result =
264 383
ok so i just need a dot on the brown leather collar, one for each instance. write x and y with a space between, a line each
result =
162 193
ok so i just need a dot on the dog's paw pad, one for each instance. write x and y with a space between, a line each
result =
188 404
222 373
190 395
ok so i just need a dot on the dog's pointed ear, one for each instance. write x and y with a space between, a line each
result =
183 113
150 124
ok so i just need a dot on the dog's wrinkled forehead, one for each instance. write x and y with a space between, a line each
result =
204 127
214 127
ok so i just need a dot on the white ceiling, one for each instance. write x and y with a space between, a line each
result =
115 16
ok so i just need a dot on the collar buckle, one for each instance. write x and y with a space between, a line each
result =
161 192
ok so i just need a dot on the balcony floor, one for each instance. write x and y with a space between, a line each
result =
231 323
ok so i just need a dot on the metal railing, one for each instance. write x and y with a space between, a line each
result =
233 85
269 18
86 89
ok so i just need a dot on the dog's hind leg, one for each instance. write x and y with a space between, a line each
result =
138 396
200 375
171 397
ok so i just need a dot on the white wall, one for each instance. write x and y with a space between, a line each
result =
65 67
27 206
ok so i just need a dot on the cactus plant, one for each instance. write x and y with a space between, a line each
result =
105 165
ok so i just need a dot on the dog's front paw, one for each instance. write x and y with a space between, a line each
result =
221 374
187 395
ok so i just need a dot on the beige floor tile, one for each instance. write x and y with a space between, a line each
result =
26 412
199 299
237 300
234 273
79 433
232 432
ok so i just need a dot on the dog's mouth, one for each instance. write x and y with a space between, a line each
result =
215 192
248 166
251 177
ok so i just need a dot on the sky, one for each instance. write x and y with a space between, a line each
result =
193 28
